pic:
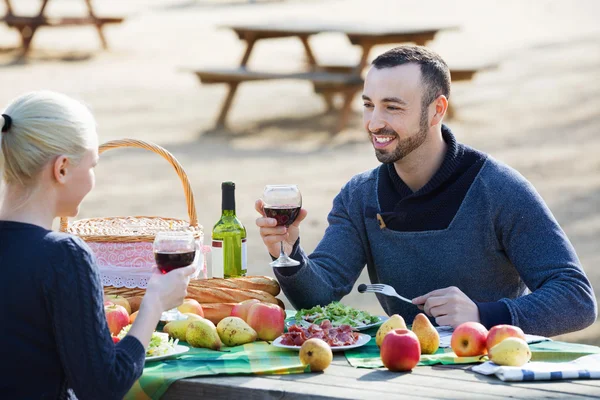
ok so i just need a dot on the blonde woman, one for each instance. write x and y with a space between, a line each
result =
55 339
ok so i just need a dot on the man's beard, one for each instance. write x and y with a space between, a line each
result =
405 146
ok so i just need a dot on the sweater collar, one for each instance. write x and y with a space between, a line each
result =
454 153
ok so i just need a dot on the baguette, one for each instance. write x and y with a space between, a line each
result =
224 295
264 283
215 312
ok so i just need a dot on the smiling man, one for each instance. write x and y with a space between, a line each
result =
464 235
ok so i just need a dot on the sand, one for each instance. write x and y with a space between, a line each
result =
537 111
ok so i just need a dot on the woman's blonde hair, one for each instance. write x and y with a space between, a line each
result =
43 125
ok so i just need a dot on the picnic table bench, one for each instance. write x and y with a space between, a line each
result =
27 26
327 80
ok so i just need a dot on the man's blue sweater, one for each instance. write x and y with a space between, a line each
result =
477 225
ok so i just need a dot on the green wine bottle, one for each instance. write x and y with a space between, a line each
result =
228 239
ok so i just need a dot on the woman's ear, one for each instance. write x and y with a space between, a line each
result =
440 106
61 165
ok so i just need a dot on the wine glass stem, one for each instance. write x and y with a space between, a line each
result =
282 252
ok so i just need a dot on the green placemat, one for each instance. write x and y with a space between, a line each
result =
367 356
252 358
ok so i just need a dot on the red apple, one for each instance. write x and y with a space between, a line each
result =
400 350
500 332
468 339
117 318
267 320
241 309
120 300
191 306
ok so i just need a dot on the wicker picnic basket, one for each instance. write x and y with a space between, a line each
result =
123 245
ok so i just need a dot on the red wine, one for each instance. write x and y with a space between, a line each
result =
169 261
285 215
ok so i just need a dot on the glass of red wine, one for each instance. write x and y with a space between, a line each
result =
172 250
282 202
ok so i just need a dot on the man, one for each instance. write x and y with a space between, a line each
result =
465 236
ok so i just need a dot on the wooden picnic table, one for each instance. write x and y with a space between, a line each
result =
27 26
341 380
346 79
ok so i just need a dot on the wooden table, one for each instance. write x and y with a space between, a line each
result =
363 36
341 380
28 25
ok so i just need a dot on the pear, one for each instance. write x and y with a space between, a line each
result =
203 333
192 317
316 353
177 329
428 336
512 351
234 331
395 322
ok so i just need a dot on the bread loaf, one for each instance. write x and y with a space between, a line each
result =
264 283
225 295
217 311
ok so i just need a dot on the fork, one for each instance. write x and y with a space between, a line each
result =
383 289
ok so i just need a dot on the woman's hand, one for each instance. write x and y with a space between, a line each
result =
168 290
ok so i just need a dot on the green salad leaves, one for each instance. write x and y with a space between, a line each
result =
338 314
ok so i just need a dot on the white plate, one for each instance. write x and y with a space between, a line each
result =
362 340
179 349
306 324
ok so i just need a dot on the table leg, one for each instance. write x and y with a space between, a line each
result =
26 37
98 26
312 62
26 32
346 109
227 104
364 58
450 112
43 7
250 41
9 10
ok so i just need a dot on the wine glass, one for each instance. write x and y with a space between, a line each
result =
282 202
172 250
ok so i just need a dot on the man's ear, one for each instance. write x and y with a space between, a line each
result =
61 165
440 106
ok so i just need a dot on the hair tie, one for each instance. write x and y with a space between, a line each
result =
7 123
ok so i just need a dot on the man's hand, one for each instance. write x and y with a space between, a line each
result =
449 306
272 235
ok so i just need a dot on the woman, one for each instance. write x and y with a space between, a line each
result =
55 339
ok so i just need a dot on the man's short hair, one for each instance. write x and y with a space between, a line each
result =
435 74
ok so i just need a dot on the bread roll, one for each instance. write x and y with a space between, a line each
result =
264 283
224 295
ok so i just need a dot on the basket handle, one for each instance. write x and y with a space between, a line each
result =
189 195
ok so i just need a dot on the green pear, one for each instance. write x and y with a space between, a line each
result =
203 333
394 322
513 352
177 329
192 317
234 331
428 336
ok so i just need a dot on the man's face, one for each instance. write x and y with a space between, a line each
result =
392 113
